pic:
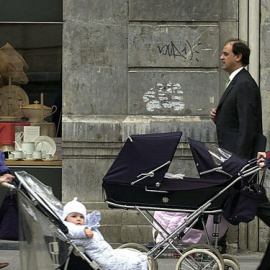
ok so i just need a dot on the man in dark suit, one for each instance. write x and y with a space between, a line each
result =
238 116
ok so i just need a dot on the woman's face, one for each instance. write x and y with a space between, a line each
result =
75 218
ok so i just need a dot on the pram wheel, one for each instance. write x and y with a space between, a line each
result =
230 257
152 263
136 246
231 265
209 248
197 259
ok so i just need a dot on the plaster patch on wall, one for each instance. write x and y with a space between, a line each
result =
212 99
164 96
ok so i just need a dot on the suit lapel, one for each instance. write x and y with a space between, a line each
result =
230 87
226 92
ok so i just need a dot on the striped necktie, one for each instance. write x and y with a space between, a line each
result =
227 82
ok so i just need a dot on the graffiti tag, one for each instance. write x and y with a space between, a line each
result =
187 52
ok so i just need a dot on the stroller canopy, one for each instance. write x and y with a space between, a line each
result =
214 162
144 159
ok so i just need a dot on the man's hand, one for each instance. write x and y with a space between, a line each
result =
213 114
261 155
261 159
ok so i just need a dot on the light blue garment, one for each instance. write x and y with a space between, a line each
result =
100 251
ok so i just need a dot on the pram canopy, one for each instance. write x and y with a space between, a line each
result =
214 162
144 159
143 156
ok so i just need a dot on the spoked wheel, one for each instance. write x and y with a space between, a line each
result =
152 263
198 259
211 249
231 265
232 258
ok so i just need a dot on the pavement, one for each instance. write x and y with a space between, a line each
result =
9 252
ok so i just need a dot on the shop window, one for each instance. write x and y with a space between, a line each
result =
34 30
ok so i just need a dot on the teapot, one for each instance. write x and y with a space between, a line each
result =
26 147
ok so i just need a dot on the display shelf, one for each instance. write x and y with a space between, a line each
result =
33 162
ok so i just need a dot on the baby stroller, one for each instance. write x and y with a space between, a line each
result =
136 181
43 240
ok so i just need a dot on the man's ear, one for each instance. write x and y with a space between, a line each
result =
238 57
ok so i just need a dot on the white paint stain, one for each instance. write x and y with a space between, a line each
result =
164 96
152 105
177 97
212 99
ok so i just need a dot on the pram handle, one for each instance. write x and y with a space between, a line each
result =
7 185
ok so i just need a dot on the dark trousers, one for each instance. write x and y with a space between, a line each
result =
263 212
265 263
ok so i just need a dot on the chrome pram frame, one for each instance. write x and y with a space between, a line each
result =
192 219
169 240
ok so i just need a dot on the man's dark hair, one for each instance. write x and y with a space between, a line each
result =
239 46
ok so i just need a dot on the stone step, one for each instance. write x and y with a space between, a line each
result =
123 226
9 245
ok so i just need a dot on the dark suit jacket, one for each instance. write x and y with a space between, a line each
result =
239 115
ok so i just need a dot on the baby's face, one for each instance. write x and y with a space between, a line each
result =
75 218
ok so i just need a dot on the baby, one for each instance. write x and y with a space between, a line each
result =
83 230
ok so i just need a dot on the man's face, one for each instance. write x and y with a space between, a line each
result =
230 61
75 218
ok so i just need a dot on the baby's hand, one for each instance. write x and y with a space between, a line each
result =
88 233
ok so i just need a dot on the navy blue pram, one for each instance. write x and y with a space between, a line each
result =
136 180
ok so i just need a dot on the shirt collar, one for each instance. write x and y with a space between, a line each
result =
235 73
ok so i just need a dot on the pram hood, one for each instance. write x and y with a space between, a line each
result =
147 158
43 197
214 162
144 159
